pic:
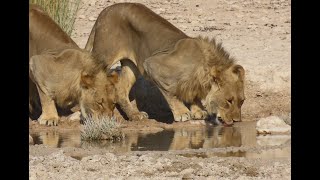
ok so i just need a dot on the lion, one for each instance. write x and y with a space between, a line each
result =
185 69
201 138
63 75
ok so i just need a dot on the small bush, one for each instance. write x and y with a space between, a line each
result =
102 128
62 12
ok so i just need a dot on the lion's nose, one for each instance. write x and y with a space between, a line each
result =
237 119
228 123
225 122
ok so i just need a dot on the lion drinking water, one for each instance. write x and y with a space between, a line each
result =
185 69
62 74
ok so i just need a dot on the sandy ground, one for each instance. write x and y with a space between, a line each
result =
63 164
256 32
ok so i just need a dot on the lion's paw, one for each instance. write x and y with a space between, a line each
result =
144 114
200 115
139 116
48 121
183 117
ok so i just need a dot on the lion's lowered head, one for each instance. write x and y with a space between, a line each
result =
98 94
71 75
226 95
207 73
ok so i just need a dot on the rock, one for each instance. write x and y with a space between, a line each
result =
187 176
75 116
101 159
159 10
111 157
272 125
187 173
31 140
91 2
288 119
82 16
92 18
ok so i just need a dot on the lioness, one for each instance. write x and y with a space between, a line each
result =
62 74
185 69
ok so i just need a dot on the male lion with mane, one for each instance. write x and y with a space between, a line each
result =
185 69
62 74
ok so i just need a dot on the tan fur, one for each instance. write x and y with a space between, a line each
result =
185 69
90 39
62 74
197 84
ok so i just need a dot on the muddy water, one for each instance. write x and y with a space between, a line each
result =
206 137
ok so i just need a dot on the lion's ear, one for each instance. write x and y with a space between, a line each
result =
86 81
214 72
239 70
113 77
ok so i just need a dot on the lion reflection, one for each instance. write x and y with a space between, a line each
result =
209 138
162 141
56 138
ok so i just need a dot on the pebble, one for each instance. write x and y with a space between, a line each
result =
82 16
31 140
92 18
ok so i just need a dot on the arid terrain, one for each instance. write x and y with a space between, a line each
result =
258 34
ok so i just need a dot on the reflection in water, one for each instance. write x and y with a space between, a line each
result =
178 139
272 140
202 138
154 142
175 139
57 139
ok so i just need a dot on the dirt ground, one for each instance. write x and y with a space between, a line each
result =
256 32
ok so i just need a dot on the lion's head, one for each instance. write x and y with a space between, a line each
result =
227 95
98 94
71 75
206 72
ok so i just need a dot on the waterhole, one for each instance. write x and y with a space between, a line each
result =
202 138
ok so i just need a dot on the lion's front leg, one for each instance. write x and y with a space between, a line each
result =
197 111
34 101
179 110
49 114
161 74
128 77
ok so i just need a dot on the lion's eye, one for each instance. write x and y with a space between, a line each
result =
241 102
100 104
230 101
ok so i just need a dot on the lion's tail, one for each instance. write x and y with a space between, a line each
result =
89 44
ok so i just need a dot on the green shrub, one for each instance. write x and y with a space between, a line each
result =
61 11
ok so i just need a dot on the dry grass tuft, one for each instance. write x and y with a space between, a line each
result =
102 128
